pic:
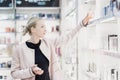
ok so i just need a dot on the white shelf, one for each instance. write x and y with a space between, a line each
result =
110 53
8 20
92 75
7 32
114 54
6 69
6 44
5 56
107 19
36 8
6 8
90 2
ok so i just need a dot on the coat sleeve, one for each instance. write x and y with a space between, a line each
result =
16 71
64 39
56 70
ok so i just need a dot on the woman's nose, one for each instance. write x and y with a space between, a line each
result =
45 30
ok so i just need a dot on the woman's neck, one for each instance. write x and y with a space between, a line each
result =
34 39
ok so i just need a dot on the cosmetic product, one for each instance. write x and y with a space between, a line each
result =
1 77
112 74
116 75
113 42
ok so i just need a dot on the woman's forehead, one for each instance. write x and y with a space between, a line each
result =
40 22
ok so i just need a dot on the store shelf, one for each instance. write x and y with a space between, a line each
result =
110 53
92 75
22 20
6 69
6 44
6 8
6 19
114 54
107 19
7 32
41 8
5 56
93 2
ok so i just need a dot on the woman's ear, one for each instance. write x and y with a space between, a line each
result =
32 30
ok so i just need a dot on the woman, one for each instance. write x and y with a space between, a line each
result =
36 59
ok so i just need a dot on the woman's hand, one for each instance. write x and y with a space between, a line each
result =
37 71
87 18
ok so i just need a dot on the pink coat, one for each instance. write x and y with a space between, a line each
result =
23 57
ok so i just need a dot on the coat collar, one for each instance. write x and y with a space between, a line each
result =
45 48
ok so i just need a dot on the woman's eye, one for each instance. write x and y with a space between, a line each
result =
42 26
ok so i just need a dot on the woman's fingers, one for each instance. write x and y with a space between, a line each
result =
87 18
38 71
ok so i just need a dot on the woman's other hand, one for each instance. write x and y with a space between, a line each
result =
37 71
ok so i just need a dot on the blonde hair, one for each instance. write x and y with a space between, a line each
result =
31 23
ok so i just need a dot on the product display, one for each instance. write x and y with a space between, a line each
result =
114 74
99 42
37 3
25 16
6 3
5 65
117 4
112 9
3 77
92 67
113 42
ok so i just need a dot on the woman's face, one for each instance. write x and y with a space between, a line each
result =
40 29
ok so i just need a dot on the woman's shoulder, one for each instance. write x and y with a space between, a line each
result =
47 41
20 45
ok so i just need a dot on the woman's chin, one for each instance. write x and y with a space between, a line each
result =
42 37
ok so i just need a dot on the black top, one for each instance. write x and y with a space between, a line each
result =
41 61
